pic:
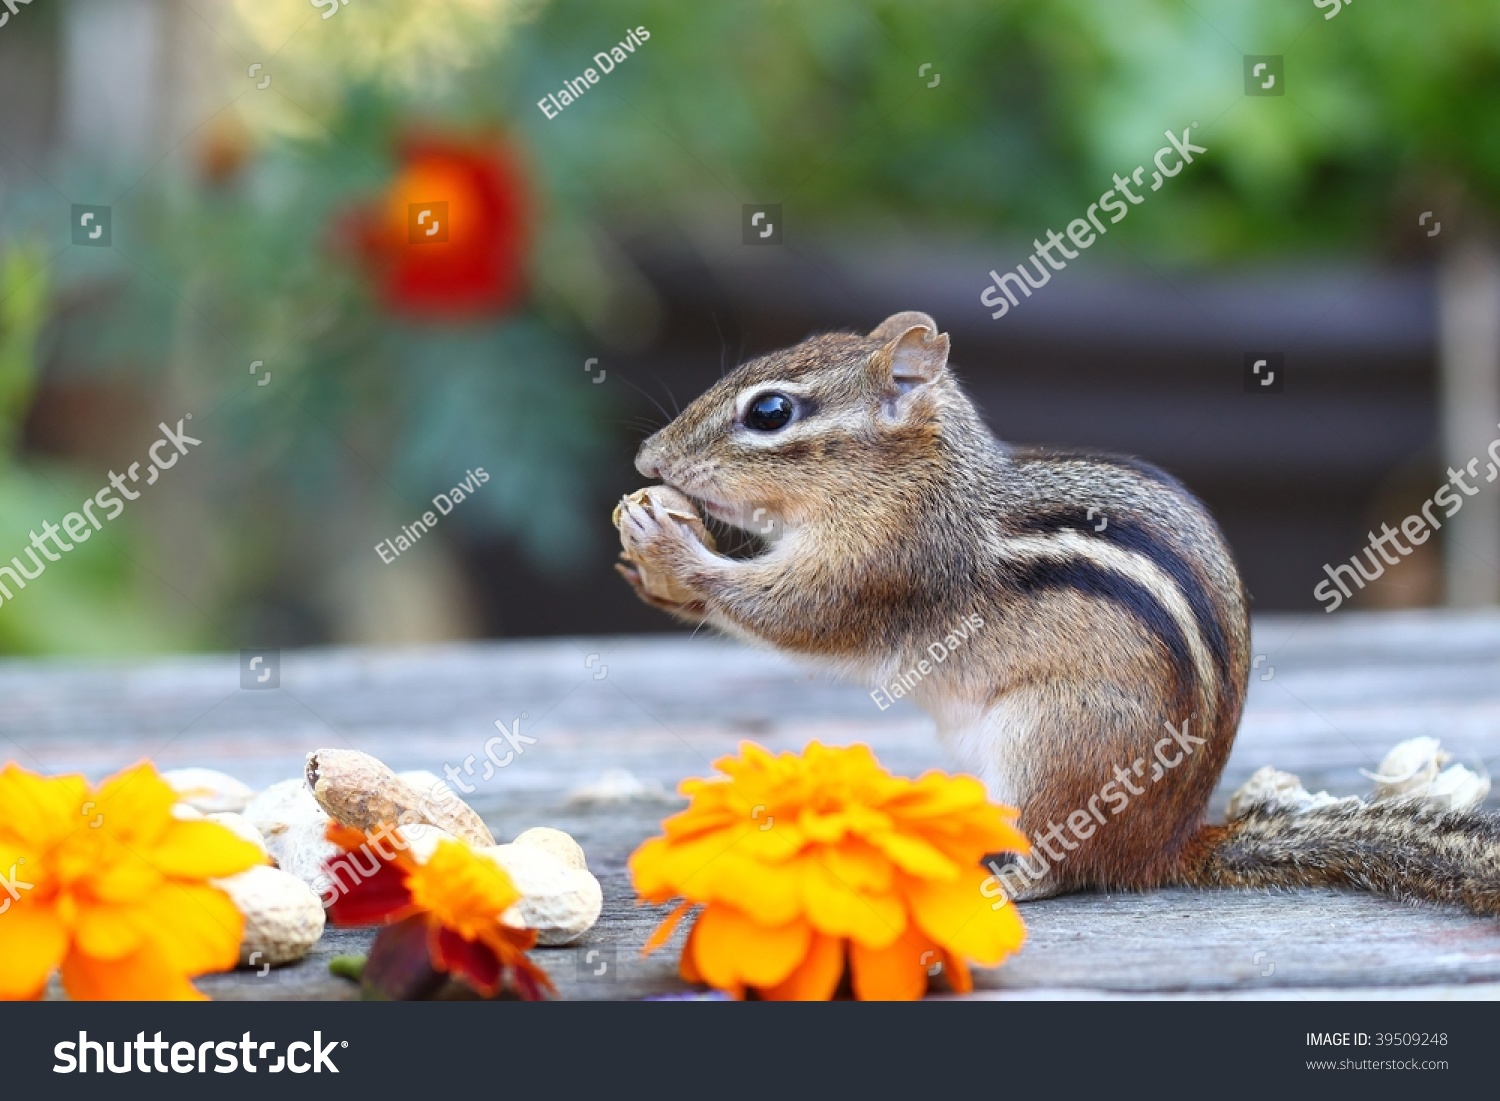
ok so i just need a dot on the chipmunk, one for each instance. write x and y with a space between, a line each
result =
1104 657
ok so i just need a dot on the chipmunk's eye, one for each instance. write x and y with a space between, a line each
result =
769 412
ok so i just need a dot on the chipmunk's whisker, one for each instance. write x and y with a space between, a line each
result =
666 417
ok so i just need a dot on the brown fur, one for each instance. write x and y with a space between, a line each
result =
1390 849
896 515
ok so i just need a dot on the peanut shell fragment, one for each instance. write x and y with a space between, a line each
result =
660 500
358 790
283 918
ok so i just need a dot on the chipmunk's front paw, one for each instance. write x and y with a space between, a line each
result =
693 611
664 545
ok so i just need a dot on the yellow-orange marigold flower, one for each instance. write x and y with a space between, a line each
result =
107 885
810 863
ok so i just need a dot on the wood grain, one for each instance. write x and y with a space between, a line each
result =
1331 695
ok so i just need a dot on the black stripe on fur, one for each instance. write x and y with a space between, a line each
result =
1107 584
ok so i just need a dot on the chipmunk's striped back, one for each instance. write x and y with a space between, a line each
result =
1136 553
1148 548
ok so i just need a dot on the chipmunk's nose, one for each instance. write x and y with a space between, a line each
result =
647 459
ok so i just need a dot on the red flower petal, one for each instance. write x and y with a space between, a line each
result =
399 967
469 960
476 267
529 981
366 899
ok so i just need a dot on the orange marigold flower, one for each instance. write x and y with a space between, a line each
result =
811 864
443 917
107 885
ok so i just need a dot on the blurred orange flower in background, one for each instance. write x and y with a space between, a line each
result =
808 864
108 885
447 240
442 917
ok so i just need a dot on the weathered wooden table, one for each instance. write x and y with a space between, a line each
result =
1331 695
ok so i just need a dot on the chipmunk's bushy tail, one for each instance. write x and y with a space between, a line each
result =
1404 849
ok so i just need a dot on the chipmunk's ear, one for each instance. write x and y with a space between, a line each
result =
914 353
898 323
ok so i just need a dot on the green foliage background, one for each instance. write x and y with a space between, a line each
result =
1389 109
